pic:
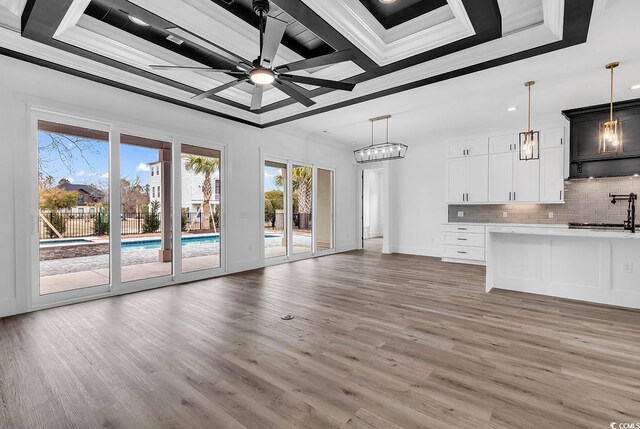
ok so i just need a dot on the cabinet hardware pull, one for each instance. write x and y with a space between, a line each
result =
561 141
460 251
514 195
462 229
509 196
560 194
462 239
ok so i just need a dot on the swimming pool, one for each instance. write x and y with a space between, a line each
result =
151 244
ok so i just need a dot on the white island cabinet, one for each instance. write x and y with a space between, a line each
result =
593 266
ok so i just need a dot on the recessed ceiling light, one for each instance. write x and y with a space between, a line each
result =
137 21
636 86
512 109
387 1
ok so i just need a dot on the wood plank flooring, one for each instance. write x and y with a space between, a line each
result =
378 341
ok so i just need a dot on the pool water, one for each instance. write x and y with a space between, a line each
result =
148 244
186 241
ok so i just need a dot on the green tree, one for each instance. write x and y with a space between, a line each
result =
269 212
206 166
55 199
302 181
151 218
101 221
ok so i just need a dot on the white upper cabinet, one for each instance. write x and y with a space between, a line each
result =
526 180
457 183
552 138
471 147
478 179
490 170
501 178
552 175
504 143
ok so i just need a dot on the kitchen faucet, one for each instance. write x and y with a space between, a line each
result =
630 223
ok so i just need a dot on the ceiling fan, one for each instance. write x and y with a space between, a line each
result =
261 72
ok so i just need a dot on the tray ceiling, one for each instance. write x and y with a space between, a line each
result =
397 46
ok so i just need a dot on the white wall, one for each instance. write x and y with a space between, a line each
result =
373 203
23 85
417 207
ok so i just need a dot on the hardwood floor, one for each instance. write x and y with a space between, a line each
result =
378 341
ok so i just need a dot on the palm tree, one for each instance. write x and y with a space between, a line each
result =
207 166
301 179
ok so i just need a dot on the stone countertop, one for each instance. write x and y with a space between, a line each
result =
562 232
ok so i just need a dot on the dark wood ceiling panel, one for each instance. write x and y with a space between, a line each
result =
400 11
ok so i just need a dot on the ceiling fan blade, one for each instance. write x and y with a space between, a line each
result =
273 33
323 60
333 84
217 89
292 91
256 98
196 68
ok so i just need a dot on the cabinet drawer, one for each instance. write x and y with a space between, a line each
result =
464 252
478 229
464 239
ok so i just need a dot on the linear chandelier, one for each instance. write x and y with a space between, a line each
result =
380 151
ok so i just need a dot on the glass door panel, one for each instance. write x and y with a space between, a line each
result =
275 209
302 185
145 194
324 210
200 208
73 207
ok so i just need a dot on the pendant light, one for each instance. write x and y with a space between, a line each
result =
529 146
610 139
381 151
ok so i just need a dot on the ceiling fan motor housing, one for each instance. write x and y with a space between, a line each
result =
261 6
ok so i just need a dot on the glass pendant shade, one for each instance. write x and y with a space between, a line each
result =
610 132
529 145
381 151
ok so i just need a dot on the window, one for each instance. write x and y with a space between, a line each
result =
217 189
153 191
80 199
80 210
276 209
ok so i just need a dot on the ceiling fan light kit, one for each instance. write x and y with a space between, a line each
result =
261 71
381 151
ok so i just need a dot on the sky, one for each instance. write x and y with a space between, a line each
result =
93 167
270 174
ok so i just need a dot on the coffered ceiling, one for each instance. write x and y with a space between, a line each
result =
397 46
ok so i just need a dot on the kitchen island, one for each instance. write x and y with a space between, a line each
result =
586 265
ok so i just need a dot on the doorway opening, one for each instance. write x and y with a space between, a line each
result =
372 209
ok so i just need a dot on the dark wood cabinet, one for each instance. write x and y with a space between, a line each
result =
586 161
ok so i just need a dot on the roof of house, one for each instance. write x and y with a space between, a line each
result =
89 189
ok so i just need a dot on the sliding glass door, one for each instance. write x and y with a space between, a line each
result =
72 207
302 213
276 209
324 210
146 218
200 222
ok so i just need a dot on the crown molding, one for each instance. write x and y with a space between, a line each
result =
384 47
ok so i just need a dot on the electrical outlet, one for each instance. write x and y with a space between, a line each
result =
460 214
550 215
627 267
504 214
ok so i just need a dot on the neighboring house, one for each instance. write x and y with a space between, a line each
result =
191 186
88 197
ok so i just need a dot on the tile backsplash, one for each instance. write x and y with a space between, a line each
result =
586 200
